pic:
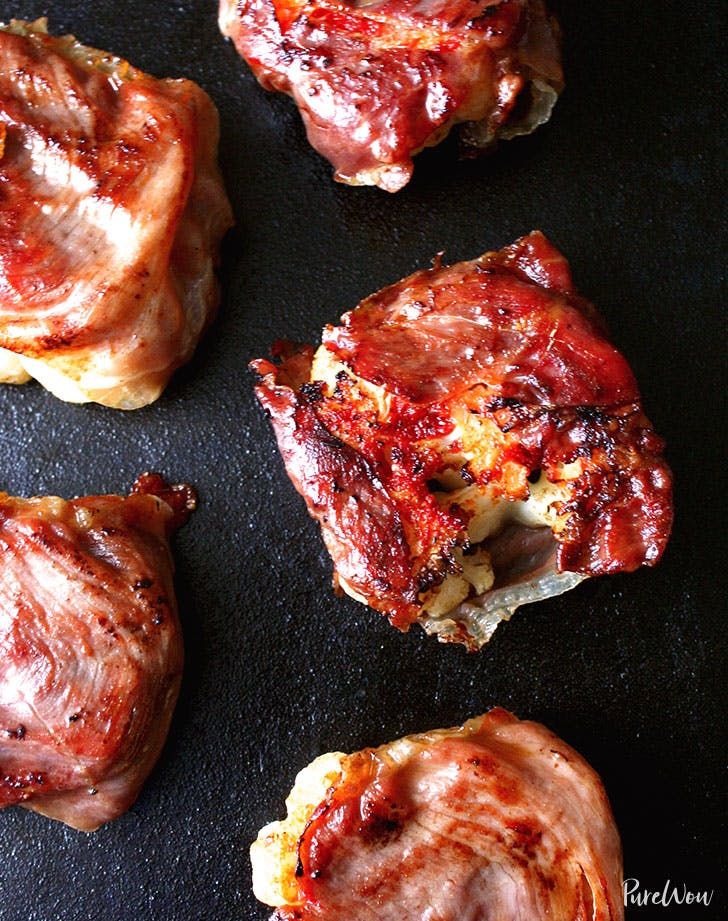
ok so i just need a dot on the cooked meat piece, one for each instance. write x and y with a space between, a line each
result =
111 213
90 648
496 819
469 440
377 81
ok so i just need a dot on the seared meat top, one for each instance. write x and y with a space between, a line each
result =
469 439
111 213
90 648
377 81
497 819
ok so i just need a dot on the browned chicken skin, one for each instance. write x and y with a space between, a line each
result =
111 213
90 648
377 81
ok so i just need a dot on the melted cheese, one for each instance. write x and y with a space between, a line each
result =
11 369
326 367
489 512
274 854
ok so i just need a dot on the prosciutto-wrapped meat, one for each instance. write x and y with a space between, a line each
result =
469 440
90 648
377 81
496 819
111 213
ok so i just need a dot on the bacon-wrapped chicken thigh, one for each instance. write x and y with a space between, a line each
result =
377 81
90 648
111 213
495 819
469 440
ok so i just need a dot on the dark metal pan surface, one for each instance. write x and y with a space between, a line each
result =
626 181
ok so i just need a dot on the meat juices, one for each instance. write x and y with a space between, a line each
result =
112 209
495 819
469 440
91 649
377 81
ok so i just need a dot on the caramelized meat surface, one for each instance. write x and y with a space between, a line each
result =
470 440
111 213
496 819
90 648
377 81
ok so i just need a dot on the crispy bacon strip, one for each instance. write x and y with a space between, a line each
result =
377 81
90 648
495 819
489 381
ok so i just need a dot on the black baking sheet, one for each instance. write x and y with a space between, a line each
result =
626 180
